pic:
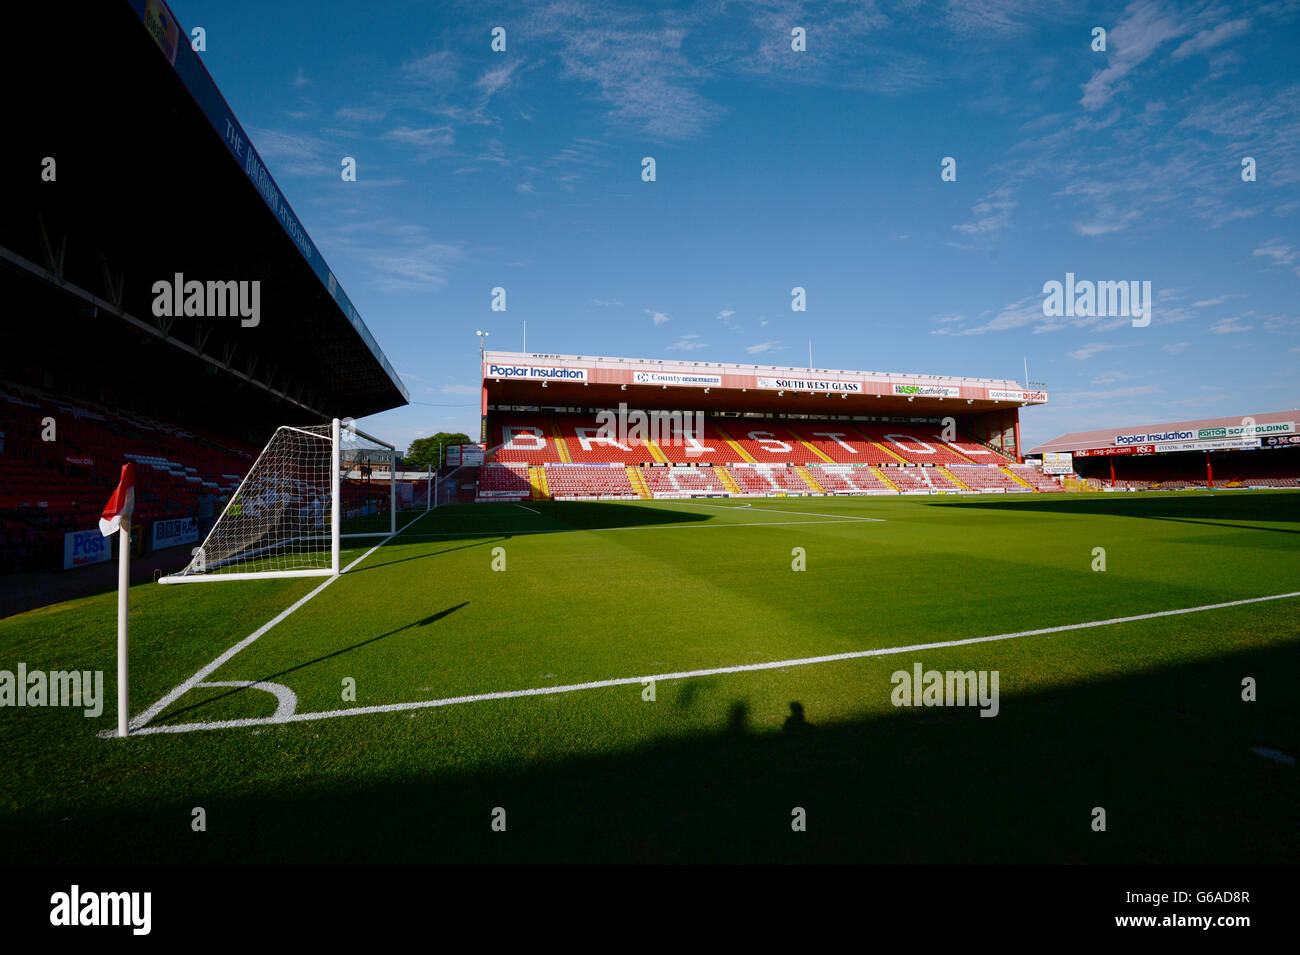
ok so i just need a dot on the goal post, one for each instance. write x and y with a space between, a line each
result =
311 487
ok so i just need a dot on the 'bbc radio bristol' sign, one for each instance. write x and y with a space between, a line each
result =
175 531
536 372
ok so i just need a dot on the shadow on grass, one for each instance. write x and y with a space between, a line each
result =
1191 508
488 524
172 716
1168 754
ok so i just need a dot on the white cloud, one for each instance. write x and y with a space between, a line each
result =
993 212
1132 391
431 141
436 69
687 343
660 317
397 256
762 348
460 390
291 154
607 302
1230 326
1145 27
1016 315
359 114
1208 39
493 81
1090 349
1110 377
1175 348
1280 253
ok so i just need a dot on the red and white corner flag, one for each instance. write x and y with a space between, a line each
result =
117 520
121 504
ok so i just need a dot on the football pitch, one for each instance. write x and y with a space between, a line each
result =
679 680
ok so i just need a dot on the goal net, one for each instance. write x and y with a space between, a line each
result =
311 486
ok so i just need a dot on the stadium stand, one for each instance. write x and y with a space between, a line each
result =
539 454
49 487
577 480
1261 449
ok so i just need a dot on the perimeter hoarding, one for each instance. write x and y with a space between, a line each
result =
1058 462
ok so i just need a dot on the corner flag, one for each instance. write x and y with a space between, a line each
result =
118 510
117 519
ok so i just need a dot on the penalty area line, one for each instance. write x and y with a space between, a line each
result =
687 674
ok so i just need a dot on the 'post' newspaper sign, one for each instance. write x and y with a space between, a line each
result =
81 548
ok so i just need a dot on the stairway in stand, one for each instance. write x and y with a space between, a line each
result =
637 480
1016 477
728 481
537 479
808 478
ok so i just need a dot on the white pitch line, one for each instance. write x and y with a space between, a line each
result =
639 527
528 509
689 674
773 510
139 722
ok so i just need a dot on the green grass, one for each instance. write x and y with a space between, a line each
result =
1142 718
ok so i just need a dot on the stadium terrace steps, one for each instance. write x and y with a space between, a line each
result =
735 446
638 483
560 444
537 479
896 457
817 451
727 480
1016 477
656 453
811 481
884 477
955 480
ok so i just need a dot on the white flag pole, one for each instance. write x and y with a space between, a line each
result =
123 624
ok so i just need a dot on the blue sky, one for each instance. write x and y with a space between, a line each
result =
777 168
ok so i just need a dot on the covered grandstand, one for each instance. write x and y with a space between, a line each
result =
565 427
1245 451
131 171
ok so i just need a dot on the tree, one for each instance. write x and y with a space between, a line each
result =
424 452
